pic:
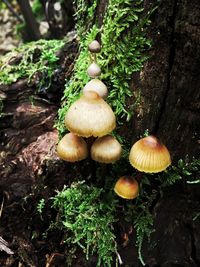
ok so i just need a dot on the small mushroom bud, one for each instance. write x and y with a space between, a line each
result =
97 86
127 187
94 47
94 70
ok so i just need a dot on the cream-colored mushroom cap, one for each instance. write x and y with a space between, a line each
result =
106 149
90 116
97 86
149 155
94 70
72 148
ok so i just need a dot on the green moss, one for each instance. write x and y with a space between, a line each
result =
86 215
84 14
188 170
34 61
38 10
124 41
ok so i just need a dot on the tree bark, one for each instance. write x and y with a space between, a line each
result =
31 23
170 80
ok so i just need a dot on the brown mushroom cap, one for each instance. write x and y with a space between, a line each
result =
94 47
106 149
97 86
72 148
127 187
94 70
149 155
90 115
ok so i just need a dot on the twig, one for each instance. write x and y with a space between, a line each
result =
119 258
1 209
4 246
51 257
12 10
140 253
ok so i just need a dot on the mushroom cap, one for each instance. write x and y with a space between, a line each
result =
106 149
94 47
72 148
90 115
97 86
149 155
127 187
94 70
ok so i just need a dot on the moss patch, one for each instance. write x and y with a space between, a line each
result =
34 61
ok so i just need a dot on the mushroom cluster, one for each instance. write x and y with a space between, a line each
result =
147 155
90 116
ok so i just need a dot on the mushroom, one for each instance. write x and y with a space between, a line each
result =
127 187
94 47
97 86
106 149
94 70
72 148
90 116
149 155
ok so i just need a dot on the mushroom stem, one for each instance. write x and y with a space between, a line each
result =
138 176
92 165
95 58
90 140
104 169
91 57
119 258
93 168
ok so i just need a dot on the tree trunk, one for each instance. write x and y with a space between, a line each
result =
170 80
32 26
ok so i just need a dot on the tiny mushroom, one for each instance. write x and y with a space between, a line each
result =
94 70
106 149
97 86
149 155
72 148
94 47
90 116
127 187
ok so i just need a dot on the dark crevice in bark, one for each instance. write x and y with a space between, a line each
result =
101 10
170 63
193 247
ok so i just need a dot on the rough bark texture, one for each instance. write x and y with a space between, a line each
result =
27 151
176 239
170 80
